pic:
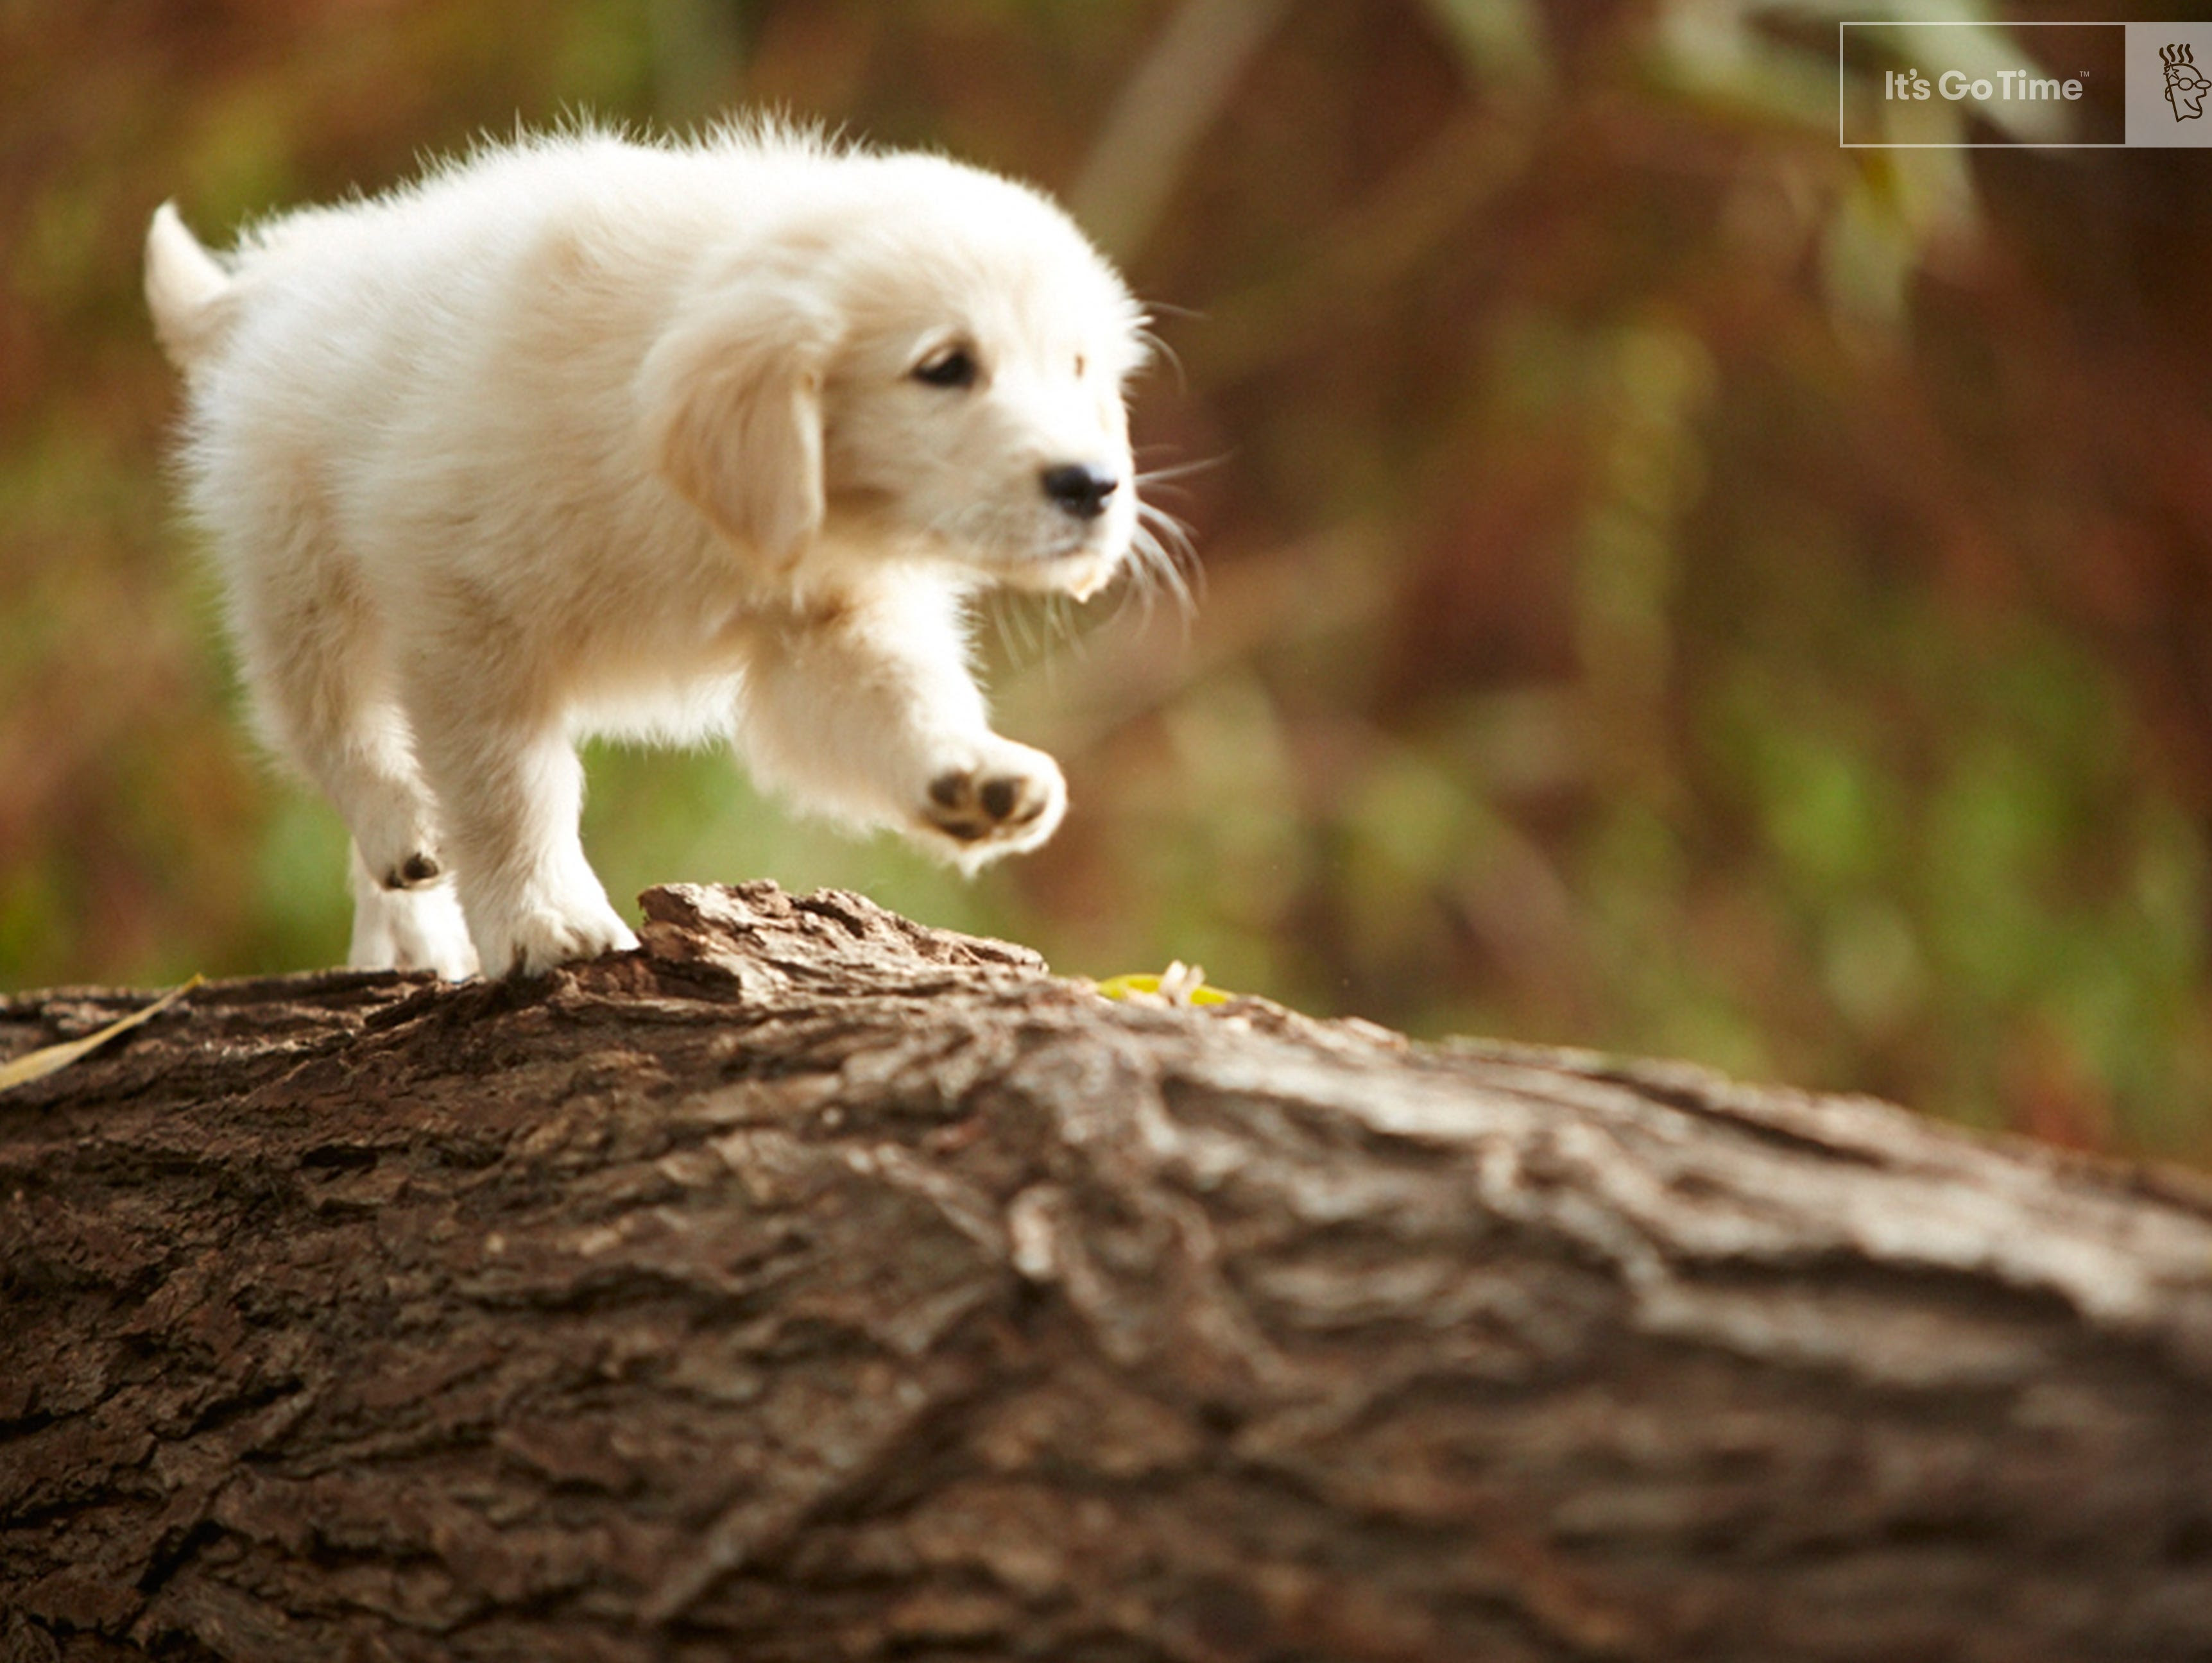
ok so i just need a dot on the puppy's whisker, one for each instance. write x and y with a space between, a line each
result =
1003 626
1162 544
1155 570
1168 531
1161 349
1062 621
1181 469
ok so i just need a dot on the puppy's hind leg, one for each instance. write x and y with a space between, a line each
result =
314 661
410 929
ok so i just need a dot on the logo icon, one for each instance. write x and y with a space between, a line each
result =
2185 85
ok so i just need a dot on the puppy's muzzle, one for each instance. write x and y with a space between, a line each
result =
1080 488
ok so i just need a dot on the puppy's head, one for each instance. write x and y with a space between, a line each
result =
922 358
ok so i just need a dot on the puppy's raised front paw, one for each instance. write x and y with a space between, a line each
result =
1011 798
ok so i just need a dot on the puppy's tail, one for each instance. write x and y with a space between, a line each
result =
188 293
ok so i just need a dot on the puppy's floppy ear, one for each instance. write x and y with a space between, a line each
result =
731 400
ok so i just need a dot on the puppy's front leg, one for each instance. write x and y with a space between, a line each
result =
865 709
510 790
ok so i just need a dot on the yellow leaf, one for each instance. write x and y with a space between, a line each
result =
1181 985
37 1064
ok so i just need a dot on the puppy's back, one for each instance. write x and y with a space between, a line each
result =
372 343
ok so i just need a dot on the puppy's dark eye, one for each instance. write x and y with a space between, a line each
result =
955 367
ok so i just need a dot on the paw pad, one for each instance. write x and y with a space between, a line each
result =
971 809
417 868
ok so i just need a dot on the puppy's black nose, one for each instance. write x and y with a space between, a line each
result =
1080 488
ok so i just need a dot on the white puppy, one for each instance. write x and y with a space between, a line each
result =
581 435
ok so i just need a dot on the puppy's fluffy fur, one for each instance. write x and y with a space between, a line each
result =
584 435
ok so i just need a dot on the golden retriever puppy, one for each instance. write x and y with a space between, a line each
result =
581 435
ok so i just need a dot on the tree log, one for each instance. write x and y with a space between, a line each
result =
812 1286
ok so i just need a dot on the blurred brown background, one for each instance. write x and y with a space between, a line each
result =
1673 584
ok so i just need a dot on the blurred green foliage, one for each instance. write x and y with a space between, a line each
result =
1674 585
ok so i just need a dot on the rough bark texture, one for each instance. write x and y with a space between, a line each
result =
811 1286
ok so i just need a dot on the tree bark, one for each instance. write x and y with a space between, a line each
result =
814 1285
